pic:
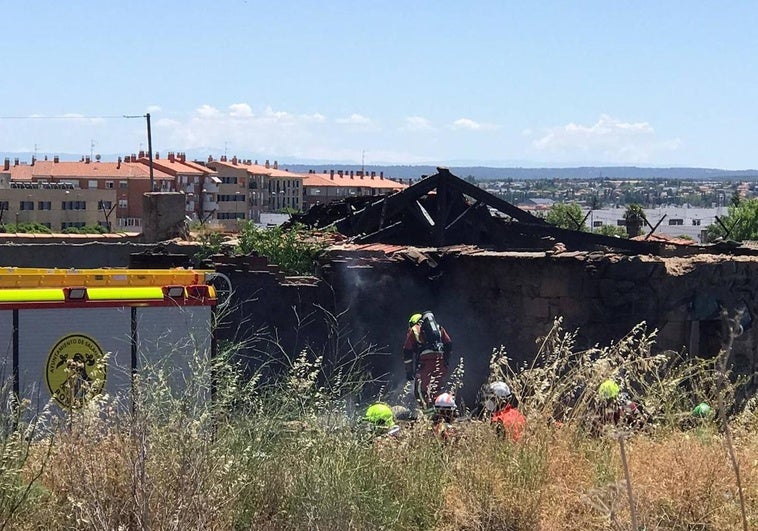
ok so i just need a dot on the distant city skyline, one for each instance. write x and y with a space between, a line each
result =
492 84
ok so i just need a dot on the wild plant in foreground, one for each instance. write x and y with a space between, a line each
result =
287 453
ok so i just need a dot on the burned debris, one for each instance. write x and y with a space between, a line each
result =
443 210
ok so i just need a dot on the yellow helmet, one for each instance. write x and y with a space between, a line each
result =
415 318
608 390
380 414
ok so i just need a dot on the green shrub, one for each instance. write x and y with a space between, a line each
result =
293 249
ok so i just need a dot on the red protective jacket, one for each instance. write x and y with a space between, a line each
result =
511 420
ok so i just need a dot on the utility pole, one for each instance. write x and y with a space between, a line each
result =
150 152
149 145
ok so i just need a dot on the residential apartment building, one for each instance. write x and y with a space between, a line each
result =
321 188
248 188
199 183
87 192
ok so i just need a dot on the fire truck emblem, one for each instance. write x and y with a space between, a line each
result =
75 370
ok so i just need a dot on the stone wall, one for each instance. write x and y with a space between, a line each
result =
163 216
487 300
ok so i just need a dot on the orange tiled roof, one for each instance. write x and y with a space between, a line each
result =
84 170
325 179
175 167
22 172
200 167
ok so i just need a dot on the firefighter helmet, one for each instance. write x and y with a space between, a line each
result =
702 410
608 390
445 401
415 318
500 390
380 414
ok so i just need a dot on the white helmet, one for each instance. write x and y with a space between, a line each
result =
445 401
500 390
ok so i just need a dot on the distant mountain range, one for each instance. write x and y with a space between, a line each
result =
482 173
486 173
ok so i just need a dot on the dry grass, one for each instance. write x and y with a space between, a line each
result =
290 455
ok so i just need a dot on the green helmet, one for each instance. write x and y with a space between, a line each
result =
415 318
380 415
608 390
702 410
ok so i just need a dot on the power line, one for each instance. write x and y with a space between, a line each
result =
67 117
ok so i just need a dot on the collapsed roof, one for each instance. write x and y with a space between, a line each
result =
443 210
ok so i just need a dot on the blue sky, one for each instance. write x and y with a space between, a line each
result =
496 83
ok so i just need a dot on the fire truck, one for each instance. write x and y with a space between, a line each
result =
70 333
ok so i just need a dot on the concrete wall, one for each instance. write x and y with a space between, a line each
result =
91 254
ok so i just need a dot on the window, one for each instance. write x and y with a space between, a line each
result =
597 223
229 180
231 215
129 222
122 203
74 205
620 223
676 221
3 205
44 205
104 205
231 197
72 225
93 184
26 205
696 222
123 185
108 185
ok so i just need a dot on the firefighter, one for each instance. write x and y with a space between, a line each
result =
499 404
445 411
702 411
426 355
615 407
381 420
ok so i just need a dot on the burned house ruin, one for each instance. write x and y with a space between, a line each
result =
496 275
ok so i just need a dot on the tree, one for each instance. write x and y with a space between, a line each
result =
741 222
735 200
635 218
567 216
611 230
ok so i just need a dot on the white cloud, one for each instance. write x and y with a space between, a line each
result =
471 125
207 111
315 117
154 108
354 119
608 139
417 123
240 110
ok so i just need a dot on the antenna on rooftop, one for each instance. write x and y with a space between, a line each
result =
363 158
226 144
91 149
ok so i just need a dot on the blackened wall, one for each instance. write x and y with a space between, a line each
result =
487 300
